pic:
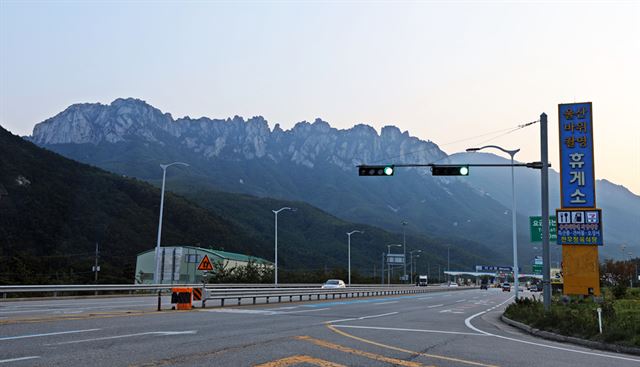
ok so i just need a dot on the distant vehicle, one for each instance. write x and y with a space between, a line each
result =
535 288
506 287
334 283
453 285
423 281
484 286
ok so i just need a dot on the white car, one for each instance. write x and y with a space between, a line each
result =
334 283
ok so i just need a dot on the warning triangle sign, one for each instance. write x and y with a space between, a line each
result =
205 264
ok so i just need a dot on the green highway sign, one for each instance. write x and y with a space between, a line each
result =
537 269
535 226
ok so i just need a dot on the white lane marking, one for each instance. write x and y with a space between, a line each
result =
59 310
238 310
360 318
73 304
18 359
467 322
423 298
314 310
414 330
281 308
156 333
374 316
462 300
432 306
339 320
47 334
385 303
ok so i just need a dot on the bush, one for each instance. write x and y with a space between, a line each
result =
578 317
619 290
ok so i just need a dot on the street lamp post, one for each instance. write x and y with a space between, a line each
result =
404 247
411 261
276 241
349 251
388 264
156 274
511 153
448 269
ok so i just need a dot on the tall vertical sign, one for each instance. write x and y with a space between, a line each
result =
579 222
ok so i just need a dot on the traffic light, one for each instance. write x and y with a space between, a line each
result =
450 170
376 170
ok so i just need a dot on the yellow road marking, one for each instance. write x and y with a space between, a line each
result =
289 361
373 356
408 351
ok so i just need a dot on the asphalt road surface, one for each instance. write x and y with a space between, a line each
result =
459 328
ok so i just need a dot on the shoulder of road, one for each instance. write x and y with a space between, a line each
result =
570 339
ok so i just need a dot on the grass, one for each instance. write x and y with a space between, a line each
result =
576 316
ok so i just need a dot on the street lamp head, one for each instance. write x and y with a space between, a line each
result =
510 152
165 166
284 208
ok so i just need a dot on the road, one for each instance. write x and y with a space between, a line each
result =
459 328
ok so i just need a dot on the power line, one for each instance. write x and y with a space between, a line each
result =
501 132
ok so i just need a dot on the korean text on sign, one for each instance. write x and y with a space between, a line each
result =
576 156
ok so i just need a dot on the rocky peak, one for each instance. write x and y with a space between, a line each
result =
233 138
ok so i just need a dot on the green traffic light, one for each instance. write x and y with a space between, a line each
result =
464 170
388 170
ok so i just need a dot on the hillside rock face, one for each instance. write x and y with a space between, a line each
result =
233 138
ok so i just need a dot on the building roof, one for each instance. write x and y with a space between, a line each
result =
219 253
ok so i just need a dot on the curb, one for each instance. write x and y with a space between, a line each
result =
570 339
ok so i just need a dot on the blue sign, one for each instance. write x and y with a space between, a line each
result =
577 175
579 227
493 268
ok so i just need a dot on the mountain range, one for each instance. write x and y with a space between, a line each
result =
314 163
54 211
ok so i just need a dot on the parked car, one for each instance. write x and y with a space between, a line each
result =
333 283
506 287
453 285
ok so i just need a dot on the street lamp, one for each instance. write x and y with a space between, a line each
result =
404 247
156 275
276 239
511 153
388 264
448 281
349 246
411 261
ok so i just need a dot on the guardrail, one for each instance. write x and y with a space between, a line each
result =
59 288
224 292
308 293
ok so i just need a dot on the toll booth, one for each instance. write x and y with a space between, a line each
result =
182 298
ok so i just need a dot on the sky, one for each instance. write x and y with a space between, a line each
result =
458 73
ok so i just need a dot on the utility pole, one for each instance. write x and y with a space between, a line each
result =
382 271
404 247
96 268
544 185
448 269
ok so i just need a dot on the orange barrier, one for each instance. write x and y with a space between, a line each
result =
182 298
